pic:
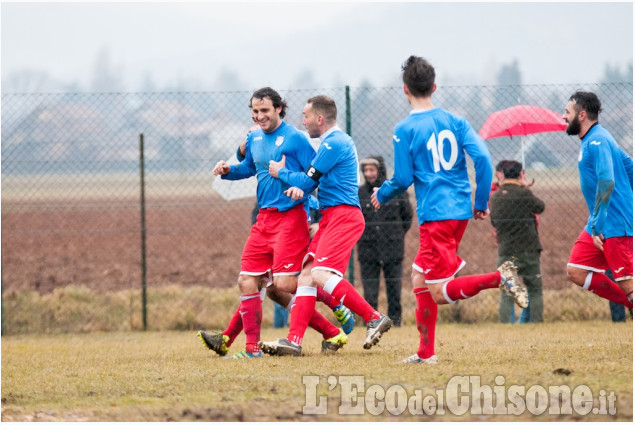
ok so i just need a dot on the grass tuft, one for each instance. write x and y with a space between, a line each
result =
80 309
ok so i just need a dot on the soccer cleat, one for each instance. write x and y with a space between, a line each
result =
511 285
244 355
280 347
344 316
215 341
335 343
375 329
416 359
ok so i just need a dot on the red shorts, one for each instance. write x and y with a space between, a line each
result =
439 242
332 246
617 256
277 242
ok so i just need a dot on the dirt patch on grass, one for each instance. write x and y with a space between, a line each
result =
198 241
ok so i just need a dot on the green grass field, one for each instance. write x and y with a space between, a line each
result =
170 376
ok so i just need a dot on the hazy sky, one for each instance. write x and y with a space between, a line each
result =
267 43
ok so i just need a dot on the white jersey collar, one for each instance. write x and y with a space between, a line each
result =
329 131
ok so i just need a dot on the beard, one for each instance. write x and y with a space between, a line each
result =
574 127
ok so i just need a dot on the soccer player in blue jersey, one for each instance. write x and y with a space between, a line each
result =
278 240
606 180
431 146
334 172
220 342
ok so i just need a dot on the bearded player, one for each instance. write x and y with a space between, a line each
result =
606 180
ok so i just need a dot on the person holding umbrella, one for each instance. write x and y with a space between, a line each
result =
606 181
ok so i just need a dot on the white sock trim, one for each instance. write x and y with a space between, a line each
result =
306 291
587 281
330 284
618 279
445 293
245 297
580 266
291 302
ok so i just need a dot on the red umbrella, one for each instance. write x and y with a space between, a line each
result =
521 120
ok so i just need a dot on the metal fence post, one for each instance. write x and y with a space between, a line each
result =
2 307
351 261
143 235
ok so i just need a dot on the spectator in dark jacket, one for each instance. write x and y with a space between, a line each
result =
514 210
381 247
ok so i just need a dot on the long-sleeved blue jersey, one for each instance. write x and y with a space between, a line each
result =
260 149
606 180
430 148
334 168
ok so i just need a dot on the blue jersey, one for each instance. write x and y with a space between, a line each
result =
606 180
260 149
430 148
334 168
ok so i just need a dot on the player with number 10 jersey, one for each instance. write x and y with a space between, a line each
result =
429 151
430 148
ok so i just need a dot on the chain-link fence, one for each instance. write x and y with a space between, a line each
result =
71 190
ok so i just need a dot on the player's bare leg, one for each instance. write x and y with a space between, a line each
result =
602 286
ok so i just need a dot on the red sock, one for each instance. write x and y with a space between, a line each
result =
251 312
343 291
234 327
426 316
322 325
604 287
467 286
302 311
326 298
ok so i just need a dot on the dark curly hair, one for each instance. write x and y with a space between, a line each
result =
589 102
274 96
418 76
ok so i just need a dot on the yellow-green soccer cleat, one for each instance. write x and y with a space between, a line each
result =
215 341
244 355
335 343
345 317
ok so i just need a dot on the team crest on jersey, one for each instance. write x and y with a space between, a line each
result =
257 138
279 140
